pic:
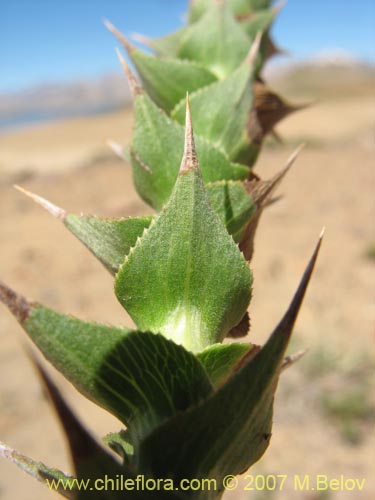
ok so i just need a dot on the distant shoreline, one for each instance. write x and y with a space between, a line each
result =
21 121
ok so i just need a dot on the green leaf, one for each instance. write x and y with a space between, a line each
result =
216 41
156 151
208 442
120 443
110 240
221 361
221 111
233 204
165 45
260 21
167 80
152 379
257 4
66 341
186 277
141 378
197 9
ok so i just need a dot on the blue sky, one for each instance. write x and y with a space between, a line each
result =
61 40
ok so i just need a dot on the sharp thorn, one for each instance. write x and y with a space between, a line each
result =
16 303
279 6
285 326
54 210
36 469
276 180
116 148
254 49
292 358
134 86
190 159
144 40
262 190
292 158
272 201
120 37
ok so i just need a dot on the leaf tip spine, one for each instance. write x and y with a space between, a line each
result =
144 40
254 49
286 324
116 148
54 210
190 159
134 86
279 6
120 37
18 305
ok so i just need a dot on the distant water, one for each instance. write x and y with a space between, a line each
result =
22 120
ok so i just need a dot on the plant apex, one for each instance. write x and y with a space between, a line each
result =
190 159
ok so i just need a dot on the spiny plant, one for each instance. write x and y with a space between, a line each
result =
191 406
217 57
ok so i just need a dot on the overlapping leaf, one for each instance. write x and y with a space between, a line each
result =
142 378
163 46
221 361
110 240
156 150
208 442
233 204
216 41
226 115
179 273
250 19
185 277
166 80
221 111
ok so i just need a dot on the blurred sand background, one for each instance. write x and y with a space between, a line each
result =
324 409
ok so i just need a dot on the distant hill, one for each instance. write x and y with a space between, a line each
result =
327 76
330 75
54 101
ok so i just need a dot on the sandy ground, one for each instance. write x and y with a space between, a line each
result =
324 420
